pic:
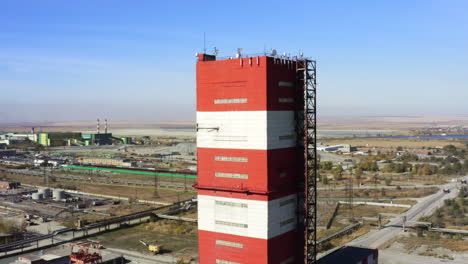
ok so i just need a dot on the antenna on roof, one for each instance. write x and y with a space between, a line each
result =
273 52
216 51
204 43
239 53
105 128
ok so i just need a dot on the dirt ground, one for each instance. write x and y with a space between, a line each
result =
368 210
178 238
395 142
378 193
388 122
413 242
363 229
439 249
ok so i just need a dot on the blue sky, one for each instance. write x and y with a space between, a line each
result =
134 60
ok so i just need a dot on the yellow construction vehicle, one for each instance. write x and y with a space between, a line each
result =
153 248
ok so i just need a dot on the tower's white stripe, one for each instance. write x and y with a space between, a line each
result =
261 130
248 218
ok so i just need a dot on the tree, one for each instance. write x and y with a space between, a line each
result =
388 181
338 172
439 221
375 178
45 163
358 174
462 193
324 179
457 168
450 149
326 165
420 231
368 165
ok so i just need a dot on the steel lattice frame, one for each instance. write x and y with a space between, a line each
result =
307 120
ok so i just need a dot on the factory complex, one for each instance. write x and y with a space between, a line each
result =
56 139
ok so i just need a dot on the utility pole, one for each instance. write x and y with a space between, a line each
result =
156 186
349 195
404 223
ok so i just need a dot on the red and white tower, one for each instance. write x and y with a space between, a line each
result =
247 161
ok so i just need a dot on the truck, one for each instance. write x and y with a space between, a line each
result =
153 248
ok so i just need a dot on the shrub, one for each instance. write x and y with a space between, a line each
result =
388 181
433 235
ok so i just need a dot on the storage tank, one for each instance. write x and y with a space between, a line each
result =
59 195
37 196
98 202
45 192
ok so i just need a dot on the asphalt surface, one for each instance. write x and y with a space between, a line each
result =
424 207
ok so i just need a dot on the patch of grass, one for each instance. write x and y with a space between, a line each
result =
173 236
340 241
368 210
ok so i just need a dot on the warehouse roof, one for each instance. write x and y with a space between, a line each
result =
347 255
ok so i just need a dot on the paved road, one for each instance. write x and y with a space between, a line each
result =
425 206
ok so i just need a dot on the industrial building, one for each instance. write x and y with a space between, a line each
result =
43 259
8 185
73 253
346 148
64 139
251 202
15 138
79 139
351 255
7 153
57 138
107 162
47 162
54 139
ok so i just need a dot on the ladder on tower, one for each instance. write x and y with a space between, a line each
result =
306 118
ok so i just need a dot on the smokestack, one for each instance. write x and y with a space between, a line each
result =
105 128
98 125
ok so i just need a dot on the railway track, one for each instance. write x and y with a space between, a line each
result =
49 240
101 179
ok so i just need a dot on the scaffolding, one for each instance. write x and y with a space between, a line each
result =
306 119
